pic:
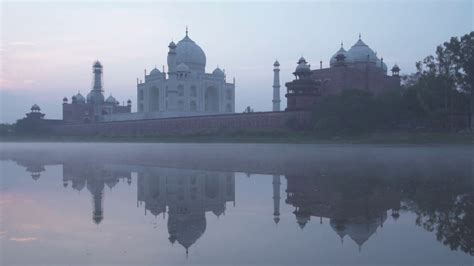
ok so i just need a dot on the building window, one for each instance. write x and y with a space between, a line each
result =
140 107
180 105
193 106
193 91
228 95
140 95
180 90
228 108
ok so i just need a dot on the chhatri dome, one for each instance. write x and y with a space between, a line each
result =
190 54
155 71
342 51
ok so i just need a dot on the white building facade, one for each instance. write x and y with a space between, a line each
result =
186 89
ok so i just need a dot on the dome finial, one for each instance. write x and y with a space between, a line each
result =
186 30
342 44
360 36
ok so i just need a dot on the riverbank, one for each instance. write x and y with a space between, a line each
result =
378 138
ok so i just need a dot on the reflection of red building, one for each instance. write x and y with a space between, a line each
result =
356 210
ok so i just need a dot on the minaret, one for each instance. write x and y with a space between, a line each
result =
276 198
276 86
171 59
97 70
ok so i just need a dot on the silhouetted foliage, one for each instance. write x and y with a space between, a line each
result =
26 126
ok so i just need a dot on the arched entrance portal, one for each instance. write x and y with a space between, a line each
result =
211 100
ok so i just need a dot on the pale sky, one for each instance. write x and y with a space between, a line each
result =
47 48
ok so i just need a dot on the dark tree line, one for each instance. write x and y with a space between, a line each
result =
438 97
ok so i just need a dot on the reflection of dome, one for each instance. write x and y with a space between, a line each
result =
111 182
35 175
361 229
359 52
190 54
218 210
186 229
218 72
339 227
302 218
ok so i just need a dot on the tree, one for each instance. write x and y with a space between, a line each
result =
350 113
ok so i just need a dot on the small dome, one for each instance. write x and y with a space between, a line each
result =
172 45
35 107
395 68
65 99
341 51
111 99
80 98
361 52
129 101
276 64
302 66
154 72
97 64
218 72
382 65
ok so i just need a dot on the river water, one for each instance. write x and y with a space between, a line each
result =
235 204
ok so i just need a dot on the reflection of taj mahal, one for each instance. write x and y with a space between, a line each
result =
188 195
353 210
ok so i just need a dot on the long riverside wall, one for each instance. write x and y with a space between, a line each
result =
224 123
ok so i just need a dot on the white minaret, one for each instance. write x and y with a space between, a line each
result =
276 197
276 86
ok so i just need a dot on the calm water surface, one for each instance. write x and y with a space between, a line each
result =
235 204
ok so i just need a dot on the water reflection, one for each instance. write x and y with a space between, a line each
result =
355 197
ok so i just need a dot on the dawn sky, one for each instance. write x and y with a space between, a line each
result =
47 48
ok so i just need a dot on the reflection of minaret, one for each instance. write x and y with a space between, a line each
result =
276 198
96 188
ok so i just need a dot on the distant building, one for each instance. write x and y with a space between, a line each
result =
358 68
95 107
302 92
186 89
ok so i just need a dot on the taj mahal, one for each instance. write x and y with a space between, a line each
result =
186 88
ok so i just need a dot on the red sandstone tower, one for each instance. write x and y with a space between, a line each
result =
303 91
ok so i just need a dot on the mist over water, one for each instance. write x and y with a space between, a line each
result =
235 204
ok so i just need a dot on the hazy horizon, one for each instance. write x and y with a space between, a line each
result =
47 49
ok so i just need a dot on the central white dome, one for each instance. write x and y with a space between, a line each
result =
190 54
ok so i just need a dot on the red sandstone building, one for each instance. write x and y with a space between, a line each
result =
358 68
